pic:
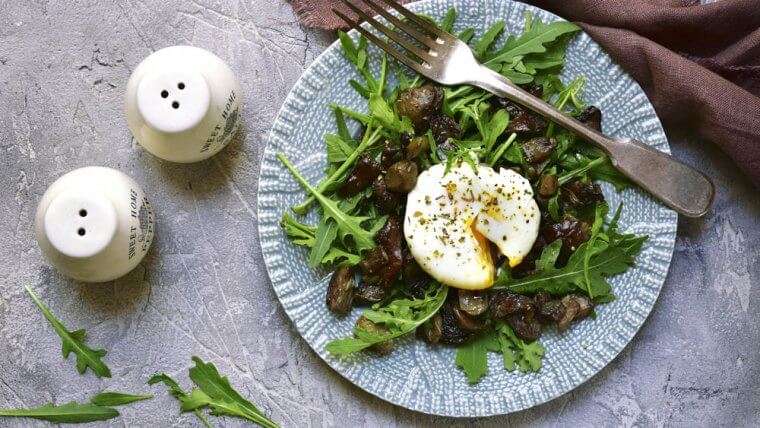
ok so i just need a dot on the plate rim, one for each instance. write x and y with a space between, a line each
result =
287 105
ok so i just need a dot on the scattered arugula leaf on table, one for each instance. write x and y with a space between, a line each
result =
73 341
108 398
176 391
69 413
215 391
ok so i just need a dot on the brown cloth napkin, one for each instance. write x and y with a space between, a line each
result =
698 63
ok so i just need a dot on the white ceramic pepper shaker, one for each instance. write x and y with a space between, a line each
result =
183 104
94 224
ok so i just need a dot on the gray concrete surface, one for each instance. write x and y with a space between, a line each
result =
203 289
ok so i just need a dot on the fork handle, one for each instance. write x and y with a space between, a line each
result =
678 185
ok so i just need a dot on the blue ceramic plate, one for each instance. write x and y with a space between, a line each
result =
416 376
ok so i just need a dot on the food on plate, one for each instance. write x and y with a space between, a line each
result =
461 217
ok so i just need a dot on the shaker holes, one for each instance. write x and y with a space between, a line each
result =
181 86
164 93
82 213
175 105
81 231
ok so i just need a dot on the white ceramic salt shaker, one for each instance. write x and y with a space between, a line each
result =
183 104
94 224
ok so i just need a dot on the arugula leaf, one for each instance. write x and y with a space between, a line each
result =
117 398
385 115
177 392
299 233
485 42
327 231
69 413
338 150
473 356
367 141
600 213
215 391
399 317
531 41
607 259
528 356
448 21
349 224
496 126
73 341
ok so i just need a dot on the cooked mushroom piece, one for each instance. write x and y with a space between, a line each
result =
525 326
451 332
466 321
571 231
444 127
340 292
389 239
551 311
385 200
368 294
415 279
577 195
571 310
417 146
521 119
592 117
505 302
419 105
473 302
431 331
389 155
372 265
401 176
364 172
585 304
539 149
547 185
382 348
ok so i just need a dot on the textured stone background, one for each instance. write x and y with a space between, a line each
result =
203 289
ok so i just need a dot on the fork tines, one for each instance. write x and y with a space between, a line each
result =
426 56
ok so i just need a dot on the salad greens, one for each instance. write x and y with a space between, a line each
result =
345 232
399 317
73 341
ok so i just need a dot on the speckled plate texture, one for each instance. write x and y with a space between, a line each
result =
415 375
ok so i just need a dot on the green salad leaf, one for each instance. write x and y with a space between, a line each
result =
108 398
399 317
176 391
472 357
215 391
69 413
527 355
73 341
351 225
532 41
607 253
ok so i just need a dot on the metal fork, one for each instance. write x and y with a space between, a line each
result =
445 59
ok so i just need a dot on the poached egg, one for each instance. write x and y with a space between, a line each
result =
451 217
